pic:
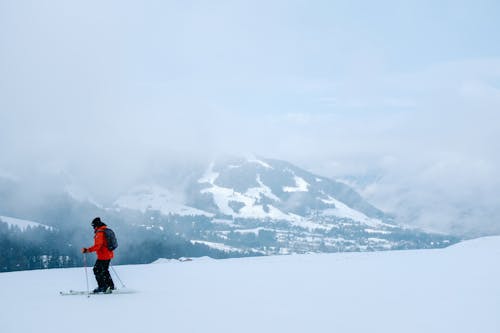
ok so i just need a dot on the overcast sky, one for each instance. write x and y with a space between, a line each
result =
405 91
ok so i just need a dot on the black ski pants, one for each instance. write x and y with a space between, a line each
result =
101 272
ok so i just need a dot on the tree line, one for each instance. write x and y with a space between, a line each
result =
41 248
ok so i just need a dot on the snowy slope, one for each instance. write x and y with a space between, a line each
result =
249 201
448 290
22 224
144 198
341 210
294 210
251 188
269 189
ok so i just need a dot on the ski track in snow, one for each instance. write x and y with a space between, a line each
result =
448 290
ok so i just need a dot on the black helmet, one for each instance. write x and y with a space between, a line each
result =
96 223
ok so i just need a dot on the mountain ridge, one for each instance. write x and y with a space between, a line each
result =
271 206
235 206
235 186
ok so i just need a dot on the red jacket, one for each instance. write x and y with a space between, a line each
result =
100 245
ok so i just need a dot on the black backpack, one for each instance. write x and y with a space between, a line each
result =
111 241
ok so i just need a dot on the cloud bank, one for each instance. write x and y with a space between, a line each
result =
407 95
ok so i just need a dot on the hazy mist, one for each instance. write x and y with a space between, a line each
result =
404 97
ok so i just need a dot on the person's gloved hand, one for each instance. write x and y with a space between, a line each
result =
85 250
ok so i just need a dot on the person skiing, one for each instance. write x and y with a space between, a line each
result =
104 255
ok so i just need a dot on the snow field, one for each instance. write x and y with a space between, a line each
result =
450 290
22 224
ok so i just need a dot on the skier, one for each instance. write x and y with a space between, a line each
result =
104 255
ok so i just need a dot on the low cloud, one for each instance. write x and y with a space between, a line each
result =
103 99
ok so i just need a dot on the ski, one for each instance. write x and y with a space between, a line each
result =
83 292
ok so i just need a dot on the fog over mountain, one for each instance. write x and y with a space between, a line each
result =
398 100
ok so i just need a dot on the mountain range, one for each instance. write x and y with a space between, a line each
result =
232 206
271 206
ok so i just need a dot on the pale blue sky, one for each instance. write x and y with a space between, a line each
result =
244 56
408 88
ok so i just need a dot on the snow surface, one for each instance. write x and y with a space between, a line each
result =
226 222
258 202
217 246
260 162
343 211
182 259
209 176
22 224
300 185
311 225
449 290
152 197
254 231
224 196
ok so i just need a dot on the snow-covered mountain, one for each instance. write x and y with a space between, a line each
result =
156 198
232 206
446 290
256 189
272 206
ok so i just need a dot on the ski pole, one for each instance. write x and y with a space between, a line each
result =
86 275
114 271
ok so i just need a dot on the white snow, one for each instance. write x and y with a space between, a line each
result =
217 246
263 190
150 227
374 231
300 185
311 225
433 291
210 176
260 162
343 211
181 260
223 197
152 197
227 222
22 224
254 231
